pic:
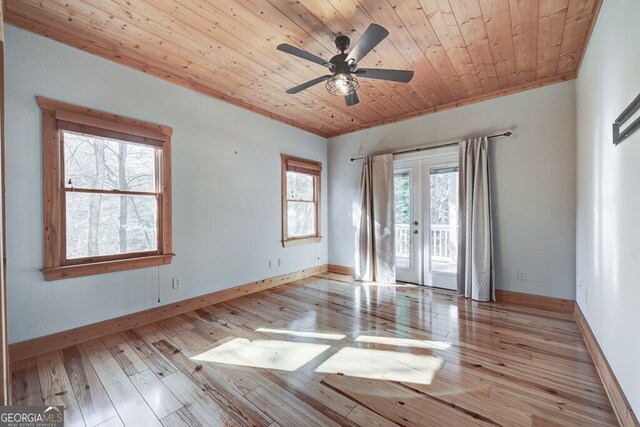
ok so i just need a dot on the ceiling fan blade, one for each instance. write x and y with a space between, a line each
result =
401 76
308 84
292 50
351 99
369 40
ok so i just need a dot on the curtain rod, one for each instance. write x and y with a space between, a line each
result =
446 144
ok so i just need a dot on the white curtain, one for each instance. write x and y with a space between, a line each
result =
475 242
375 245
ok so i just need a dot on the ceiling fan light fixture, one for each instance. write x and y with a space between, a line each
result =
342 84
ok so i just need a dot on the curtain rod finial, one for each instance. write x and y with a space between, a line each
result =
509 133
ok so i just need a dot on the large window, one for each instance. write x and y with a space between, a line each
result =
107 195
300 200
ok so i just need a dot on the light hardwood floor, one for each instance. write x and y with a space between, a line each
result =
327 351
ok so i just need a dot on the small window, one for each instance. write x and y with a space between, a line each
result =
300 200
107 192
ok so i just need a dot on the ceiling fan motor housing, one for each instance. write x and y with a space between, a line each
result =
339 64
342 43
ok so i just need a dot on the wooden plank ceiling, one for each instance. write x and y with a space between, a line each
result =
461 51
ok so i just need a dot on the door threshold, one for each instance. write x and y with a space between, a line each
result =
426 286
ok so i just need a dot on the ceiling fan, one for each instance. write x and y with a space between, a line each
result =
344 67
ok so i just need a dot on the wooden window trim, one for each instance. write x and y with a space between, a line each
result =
80 270
311 167
57 116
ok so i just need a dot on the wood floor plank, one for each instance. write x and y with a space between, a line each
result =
26 385
472 403
56 387
517 392
240 380
158 363
131 406
124 354
366 417
95 405
401 405
306 397
385 355
285 409
112 422
312 386
217 385
202 407
159 398
550 410
181 418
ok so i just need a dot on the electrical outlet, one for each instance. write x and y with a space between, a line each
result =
522 274
177 283
270 263
279 262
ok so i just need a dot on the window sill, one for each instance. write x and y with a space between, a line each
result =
80 270
301 241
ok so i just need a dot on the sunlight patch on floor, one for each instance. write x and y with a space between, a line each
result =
382 365
405 342
305 334
268 354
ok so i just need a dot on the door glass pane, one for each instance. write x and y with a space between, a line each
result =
444 219
402 194
110 224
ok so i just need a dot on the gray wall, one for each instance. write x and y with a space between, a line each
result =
533 181
226 206
608 202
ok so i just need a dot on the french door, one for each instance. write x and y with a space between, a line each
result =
406 184
426 218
